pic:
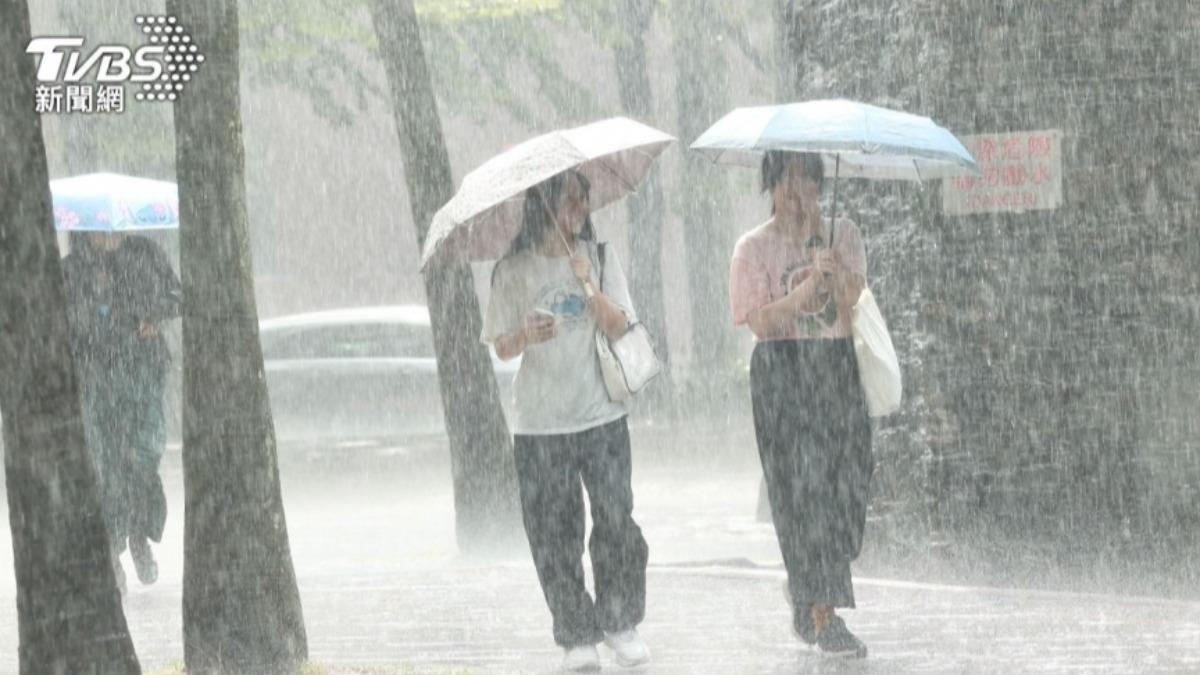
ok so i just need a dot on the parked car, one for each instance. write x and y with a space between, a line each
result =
365 373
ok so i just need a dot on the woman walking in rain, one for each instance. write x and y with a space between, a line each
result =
546 305
122 288
796 293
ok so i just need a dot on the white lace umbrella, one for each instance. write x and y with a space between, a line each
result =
484 216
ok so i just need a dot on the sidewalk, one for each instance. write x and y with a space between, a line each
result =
384 591
710 620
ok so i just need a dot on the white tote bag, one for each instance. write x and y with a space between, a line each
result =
878 368
628 363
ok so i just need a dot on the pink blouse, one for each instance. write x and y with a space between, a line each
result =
767 266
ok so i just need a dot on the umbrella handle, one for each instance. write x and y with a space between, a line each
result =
557 228
837 165
561 238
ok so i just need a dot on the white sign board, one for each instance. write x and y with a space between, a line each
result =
1021 172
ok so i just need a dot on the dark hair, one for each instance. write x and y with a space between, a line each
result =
80 243
540 199
775 161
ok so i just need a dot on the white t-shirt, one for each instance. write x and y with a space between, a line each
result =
558 389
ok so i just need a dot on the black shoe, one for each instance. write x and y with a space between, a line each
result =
143 561
837 640
803 624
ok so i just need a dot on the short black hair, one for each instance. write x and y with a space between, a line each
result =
775 161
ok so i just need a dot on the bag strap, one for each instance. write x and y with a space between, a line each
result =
495 268
600 254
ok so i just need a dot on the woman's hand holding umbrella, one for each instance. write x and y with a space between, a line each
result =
582 267
827 263
836 278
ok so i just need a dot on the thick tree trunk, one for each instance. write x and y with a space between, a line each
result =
789 50
241 607
68 608
480 447
702 90
645 206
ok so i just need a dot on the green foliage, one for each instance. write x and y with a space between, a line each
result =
451 11
480 64
603 19
480 53
311 45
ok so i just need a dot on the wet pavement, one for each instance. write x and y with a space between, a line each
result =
385 591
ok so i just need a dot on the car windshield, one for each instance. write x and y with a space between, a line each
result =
388 340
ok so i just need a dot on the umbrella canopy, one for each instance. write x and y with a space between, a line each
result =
484 216
863 141
109 202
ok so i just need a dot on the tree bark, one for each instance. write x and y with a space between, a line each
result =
789 50
702 90
69 613
480 447
241 606
645 206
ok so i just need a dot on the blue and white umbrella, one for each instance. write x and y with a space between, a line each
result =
109 202
856 140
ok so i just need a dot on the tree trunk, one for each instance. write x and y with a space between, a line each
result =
789 51
241 607
485 501
645 206
69 612
702 90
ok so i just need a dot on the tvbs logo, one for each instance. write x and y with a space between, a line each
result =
112 61
162 68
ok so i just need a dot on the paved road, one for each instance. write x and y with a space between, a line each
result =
384 591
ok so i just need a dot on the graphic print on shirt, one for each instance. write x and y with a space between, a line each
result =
565 299
810 325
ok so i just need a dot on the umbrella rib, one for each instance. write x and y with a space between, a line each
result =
625 183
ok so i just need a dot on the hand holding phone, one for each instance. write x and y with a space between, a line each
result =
540 326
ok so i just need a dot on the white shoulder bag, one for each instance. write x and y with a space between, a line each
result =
628 363
878 368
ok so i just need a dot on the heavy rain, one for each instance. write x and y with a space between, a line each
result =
679 336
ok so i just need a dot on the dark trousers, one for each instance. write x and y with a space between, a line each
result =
127 435
549 472
814 440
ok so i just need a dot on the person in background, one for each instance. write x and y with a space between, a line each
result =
121 289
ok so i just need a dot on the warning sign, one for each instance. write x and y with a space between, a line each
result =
1021 172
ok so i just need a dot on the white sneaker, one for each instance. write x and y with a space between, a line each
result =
628 647
583 658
